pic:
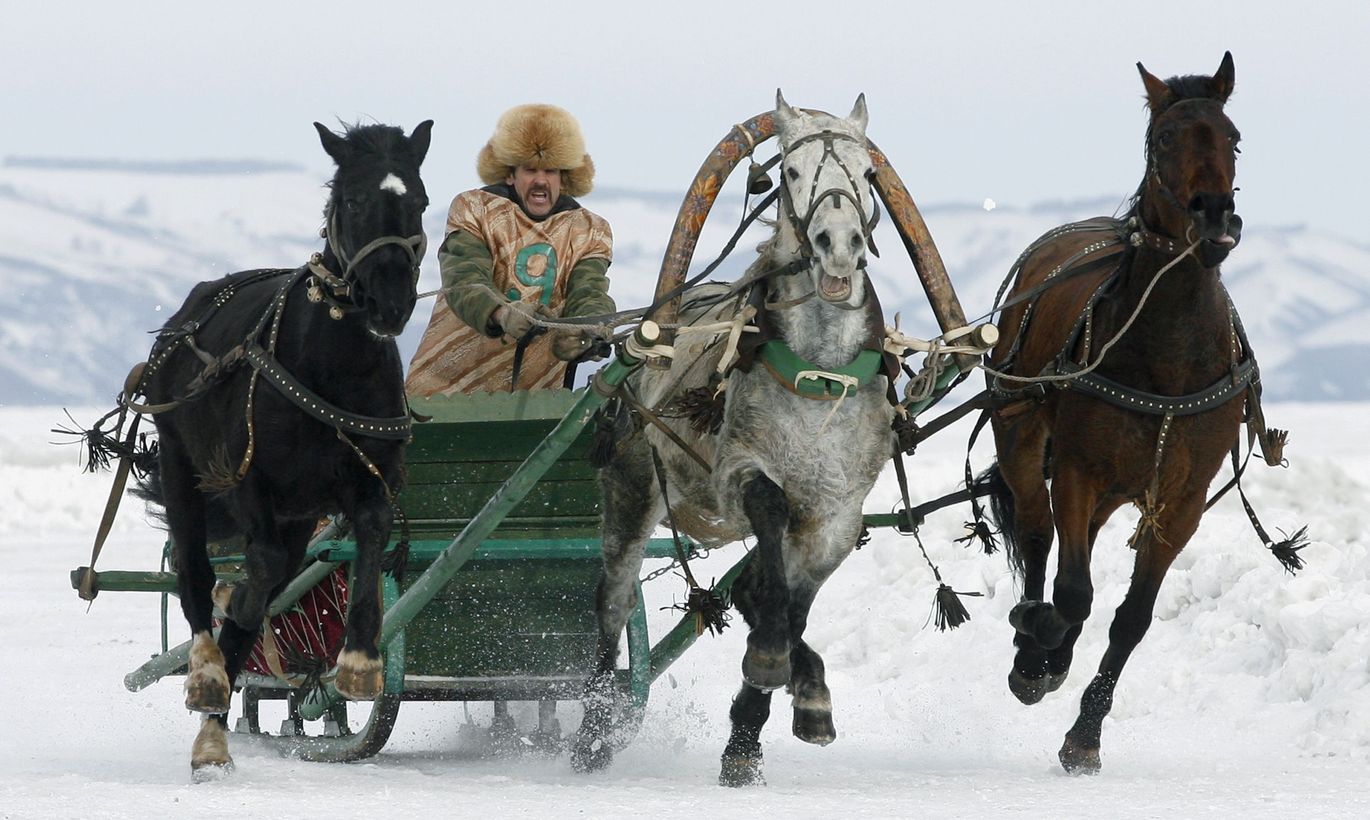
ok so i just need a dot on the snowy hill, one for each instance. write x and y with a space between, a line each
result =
96 255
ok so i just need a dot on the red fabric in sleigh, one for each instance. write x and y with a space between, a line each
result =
309 635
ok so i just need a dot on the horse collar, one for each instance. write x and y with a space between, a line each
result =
806 379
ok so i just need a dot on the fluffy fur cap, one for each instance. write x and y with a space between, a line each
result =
538 136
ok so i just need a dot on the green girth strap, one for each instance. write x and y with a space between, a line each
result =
787 367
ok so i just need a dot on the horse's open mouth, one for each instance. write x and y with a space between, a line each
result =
834 288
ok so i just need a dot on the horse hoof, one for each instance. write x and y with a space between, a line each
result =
814 726
591 755
207 691
1027 690
1055 679
741 771
766 671
209 758
359 677
1077 760
210 772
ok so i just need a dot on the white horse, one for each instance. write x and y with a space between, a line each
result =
806 429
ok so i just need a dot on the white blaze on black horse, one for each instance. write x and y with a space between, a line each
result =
801 443
301 414
1138 300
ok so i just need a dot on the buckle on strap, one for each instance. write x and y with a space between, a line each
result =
848 382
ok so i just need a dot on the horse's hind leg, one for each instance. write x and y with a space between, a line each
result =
1156 551
632 507
238 636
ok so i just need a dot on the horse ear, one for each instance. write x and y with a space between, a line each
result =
419 140
1157 92
1225 77
858 115
784 114
335 145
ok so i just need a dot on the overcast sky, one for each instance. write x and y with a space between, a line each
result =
1014 101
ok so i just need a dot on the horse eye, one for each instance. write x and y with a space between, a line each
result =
792 174
1165 138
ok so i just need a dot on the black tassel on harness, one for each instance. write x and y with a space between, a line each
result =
709 608
948 611
103 446
396 561
907 433
613 423
1287 551
703 406
978 531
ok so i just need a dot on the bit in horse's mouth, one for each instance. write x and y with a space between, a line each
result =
834 288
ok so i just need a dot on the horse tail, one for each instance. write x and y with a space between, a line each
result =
1001 508
219 522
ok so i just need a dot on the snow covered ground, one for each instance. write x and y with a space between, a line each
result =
1249 697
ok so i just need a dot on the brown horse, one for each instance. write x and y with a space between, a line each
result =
1136 374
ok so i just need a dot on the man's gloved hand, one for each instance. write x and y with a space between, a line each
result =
515 319
569 344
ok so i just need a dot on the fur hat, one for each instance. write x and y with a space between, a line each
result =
538 136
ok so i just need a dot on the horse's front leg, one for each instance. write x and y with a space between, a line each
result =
359 675
1023 509
761 594
1156 551
752 706
766 664
812 701
632 506
1047 624
207 684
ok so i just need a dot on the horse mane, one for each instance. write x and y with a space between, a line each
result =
384 141
766 250
1192 87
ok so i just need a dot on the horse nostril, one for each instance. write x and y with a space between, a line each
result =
1196 204
857 241
823 240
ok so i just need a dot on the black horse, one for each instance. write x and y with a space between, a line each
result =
282 400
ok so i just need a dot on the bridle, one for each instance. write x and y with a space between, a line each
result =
852 194
1144 235
340 288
